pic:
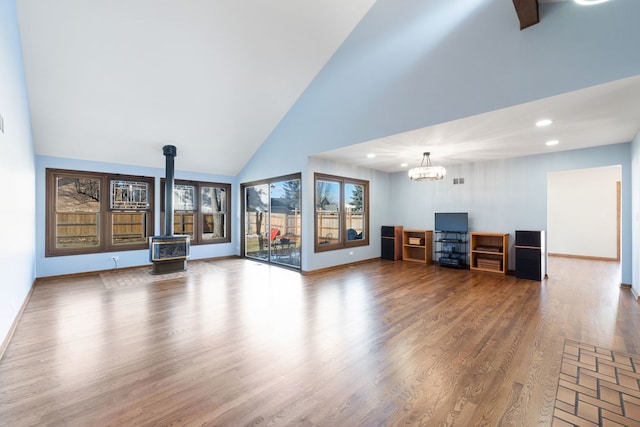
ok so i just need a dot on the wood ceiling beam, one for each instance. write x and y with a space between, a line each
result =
527 11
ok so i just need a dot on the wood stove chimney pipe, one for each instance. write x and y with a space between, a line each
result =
169 152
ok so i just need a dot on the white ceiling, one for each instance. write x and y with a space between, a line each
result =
600 115
114 81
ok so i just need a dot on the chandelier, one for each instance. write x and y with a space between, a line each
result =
428 172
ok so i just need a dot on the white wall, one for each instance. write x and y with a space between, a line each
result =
17 204
582 212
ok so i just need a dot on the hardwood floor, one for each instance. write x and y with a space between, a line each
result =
244 343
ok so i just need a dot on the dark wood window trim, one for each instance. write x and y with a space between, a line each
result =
105 214
321 243
243 207
198 215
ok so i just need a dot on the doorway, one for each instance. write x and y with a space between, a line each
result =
272 220
584 213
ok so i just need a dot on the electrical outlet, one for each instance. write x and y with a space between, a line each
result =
350 252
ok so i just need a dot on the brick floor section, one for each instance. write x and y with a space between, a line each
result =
597 387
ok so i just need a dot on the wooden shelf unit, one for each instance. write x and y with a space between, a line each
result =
490 252
418 251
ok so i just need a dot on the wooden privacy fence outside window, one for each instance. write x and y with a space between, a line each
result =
341 212
288 225
329 224
77 230
129 228
201 211
90 212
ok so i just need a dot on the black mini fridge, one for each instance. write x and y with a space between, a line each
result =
531 255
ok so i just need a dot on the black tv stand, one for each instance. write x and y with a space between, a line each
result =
451 249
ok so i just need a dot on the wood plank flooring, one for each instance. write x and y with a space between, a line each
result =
377 344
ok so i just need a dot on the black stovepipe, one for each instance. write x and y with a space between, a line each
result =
169 152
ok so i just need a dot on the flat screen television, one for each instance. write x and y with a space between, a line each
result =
452 221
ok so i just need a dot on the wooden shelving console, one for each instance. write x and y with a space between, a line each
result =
417 245
490 252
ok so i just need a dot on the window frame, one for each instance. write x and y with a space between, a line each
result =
198 215
342 242
105 214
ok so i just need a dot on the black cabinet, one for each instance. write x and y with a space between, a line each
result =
451 249
531 255
391 242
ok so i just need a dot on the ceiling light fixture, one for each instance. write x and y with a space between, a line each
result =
371 155
552 142
590 2
428 172
544 122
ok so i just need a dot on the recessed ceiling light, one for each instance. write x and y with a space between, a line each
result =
544 122
404 165
590 2
552 142
371 155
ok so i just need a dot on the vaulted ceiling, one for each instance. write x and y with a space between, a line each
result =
114 81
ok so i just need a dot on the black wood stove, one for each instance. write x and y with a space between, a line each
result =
169 253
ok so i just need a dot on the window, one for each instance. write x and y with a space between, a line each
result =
342 212
90 212
201 210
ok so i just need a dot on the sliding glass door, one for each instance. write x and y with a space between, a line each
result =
256 221
272 220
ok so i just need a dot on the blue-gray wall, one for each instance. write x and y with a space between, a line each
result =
54 266
507 195
379 213
17 205
403 67
406 66
635 214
